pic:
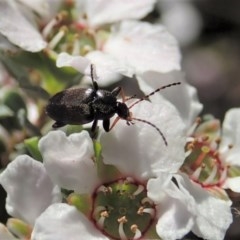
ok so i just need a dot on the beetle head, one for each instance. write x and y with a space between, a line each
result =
123 111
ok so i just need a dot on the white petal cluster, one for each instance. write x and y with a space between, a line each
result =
29 189
151 150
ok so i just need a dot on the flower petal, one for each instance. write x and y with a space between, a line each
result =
156 187
143 46
184 97
69 160
6 45
39 6
29 188
140 150
232 183
5 234
101 12
50 224
108 69
231 136
175 222
213 215
174 210
18 30
80 63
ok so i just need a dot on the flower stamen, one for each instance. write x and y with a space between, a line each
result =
197 172
103 216
203 162
194 126
212 175
54 22
98 210
147 200
136 231
76 46
150 211
139 190
57 38
121 222
104 189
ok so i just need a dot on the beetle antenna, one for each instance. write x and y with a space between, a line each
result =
152 93
144 121
94 76
154 126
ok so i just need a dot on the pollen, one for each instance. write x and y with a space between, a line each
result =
205 149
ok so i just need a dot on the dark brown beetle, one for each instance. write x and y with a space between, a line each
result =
84 105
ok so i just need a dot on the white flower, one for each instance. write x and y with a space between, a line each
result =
212 166
108 33
69 162
172 210
29 189
130 47
212 154
185 99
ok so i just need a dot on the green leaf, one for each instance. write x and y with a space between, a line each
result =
15 69
35 92
34 69
32 146
14 101
5 111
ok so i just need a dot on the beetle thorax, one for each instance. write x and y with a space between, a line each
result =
123 111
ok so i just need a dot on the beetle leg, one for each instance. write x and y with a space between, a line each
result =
114 123
93 77
106 124
116 91
58 124
123 95
94 126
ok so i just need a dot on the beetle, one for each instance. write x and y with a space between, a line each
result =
84 105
